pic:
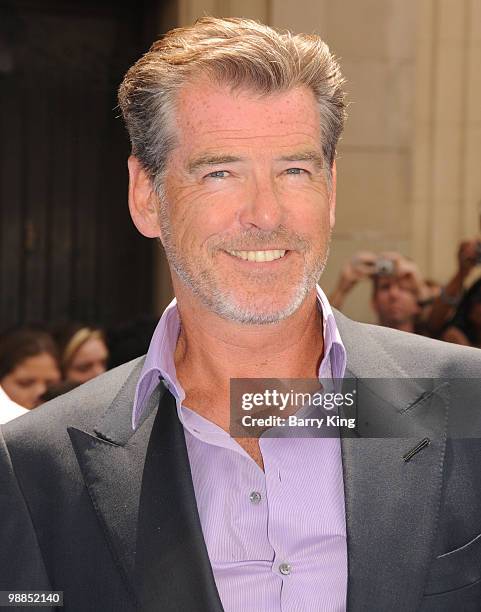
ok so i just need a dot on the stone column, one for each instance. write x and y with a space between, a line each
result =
447 132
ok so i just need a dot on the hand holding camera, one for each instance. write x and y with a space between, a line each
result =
469 255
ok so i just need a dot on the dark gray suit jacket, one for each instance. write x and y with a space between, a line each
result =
109 516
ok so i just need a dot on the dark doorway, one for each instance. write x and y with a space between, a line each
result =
68 249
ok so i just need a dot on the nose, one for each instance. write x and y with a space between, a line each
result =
394 291
40 389
263 208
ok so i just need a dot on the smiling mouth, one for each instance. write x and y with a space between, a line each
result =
258 256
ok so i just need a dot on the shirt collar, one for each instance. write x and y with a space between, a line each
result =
159 362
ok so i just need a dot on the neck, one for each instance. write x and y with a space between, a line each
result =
212 350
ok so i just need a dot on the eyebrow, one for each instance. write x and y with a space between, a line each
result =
214 160
211 160
309 156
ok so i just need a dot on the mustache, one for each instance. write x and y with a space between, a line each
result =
255 240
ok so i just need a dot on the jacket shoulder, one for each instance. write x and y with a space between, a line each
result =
417 356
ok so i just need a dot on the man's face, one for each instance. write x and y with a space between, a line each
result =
247 214
395 301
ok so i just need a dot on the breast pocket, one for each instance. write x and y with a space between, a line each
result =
455 569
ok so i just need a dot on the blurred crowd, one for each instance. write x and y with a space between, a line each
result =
402 299
38 364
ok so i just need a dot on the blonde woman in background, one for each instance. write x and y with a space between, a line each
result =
83 352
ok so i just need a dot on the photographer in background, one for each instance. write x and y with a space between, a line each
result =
399 291
465 326
444 306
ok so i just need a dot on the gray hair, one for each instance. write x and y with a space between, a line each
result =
240 53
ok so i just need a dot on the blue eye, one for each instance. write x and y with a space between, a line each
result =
218 174
295 171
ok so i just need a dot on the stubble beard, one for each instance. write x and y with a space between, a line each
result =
204 285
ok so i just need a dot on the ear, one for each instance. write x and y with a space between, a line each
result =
142 200
332 196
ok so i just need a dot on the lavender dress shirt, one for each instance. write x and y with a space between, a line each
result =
276 538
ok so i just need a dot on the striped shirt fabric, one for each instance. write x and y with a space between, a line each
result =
276 538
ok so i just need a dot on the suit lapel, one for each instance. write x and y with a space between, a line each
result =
391 503
141 488
173 567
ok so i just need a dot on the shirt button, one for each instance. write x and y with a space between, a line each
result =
285 569
255 497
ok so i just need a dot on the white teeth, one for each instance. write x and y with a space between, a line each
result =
258 256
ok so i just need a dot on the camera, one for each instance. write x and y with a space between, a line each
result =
384 267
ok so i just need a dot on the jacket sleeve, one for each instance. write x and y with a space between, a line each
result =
21 564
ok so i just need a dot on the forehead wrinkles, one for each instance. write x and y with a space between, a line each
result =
280 132
243 134
238 143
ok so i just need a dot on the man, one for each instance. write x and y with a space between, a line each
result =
395 303
129 493
397 291
395 300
